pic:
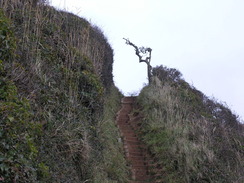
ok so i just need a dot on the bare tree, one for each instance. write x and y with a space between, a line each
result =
144 55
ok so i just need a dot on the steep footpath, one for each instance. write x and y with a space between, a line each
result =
135 152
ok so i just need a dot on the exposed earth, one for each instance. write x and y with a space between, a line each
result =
135 152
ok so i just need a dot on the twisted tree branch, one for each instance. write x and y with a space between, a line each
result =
140 52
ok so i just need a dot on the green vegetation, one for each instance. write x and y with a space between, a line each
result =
18 131
112 163
56 94
58 105
193 138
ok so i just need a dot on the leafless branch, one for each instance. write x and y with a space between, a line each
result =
144 55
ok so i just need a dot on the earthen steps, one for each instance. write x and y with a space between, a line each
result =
135 181
138 163
126 129
131 138
134 150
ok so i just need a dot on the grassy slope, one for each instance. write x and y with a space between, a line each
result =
62 69
58 86
113 164
193 138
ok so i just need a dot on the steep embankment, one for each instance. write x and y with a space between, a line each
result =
191 137
173 133
57 123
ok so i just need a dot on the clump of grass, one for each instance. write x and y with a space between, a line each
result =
194 138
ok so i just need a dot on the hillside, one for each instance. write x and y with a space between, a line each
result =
57 121
62 118
191 137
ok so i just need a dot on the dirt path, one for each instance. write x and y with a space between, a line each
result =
134 151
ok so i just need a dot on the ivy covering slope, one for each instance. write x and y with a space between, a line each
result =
191 137
18 132
56 121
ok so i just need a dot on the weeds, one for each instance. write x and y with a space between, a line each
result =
18 130
63 66
112 166
195 139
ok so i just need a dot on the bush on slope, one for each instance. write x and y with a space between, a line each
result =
194 138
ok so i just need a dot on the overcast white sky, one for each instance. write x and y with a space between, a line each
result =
203 39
